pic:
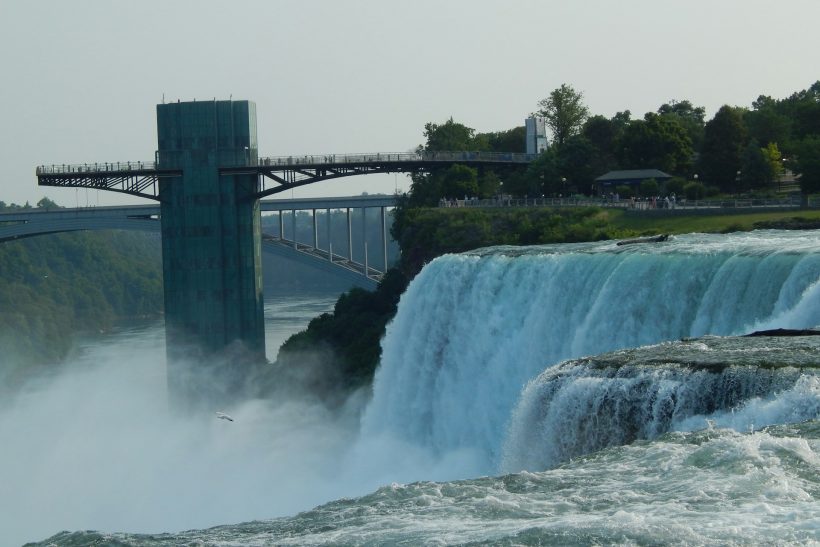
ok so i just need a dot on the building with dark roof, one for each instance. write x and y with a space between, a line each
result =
608 182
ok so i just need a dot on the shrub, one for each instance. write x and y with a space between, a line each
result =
649 187
625 191
694 190
675 186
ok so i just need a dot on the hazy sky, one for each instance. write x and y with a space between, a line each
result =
80 79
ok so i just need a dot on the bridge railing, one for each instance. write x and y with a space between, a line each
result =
312 159
400 157
92 168
641 204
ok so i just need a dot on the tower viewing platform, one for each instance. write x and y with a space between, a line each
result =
208 178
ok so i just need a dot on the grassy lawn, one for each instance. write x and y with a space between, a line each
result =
732 222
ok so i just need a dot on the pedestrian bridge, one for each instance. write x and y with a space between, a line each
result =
349 264
276 174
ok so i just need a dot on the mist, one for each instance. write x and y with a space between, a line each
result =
96 447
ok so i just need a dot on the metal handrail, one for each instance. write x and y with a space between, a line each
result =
311 159
106 167
381 157
638 205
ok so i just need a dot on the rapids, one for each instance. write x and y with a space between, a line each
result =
712 487
473 329
579 407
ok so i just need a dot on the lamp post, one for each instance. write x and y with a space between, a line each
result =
695 177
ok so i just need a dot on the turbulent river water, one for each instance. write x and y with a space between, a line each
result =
569 394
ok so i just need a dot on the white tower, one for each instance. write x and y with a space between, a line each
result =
536 135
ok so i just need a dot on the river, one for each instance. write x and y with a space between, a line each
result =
473 435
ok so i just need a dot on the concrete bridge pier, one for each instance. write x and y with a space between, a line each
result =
211 248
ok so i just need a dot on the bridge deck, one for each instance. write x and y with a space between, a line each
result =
285 172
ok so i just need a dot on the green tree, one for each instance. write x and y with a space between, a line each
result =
625 191
675 185
756 170
766 123
575 163
603 134
690 118
544 175
807 163
723 143
775 159
488 184
458 181
46 203
513 140
649 188
806 112
450 136
426 189
658 142
694 190
564 111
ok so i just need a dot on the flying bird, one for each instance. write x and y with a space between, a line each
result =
223 416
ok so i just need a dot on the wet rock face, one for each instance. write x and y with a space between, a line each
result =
785 332
652 239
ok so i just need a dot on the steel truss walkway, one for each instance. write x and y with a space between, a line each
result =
276 174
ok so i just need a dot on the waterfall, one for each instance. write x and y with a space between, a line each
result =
473 329
583 406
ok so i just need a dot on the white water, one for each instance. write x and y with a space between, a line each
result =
96 449
713 487
473 329
581 407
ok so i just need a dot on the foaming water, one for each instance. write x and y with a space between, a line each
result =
713 487
582 406
97 448
473 329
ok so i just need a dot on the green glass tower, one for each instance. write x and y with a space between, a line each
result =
211 244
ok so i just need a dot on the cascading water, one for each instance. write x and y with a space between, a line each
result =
473 329
580 407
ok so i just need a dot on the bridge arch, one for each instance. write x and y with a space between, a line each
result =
36 222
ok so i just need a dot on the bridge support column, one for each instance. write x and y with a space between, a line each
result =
293 227
315 231
384 238
211 249
349 237
281 226
329 244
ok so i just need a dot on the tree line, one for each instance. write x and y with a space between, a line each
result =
739 150
55 286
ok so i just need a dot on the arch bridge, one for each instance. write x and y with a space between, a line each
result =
351 262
